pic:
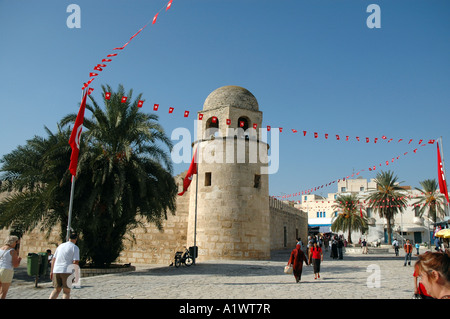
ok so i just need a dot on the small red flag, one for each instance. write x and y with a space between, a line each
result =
304 133
90 90
200 116
268 128
228 122
170 109
281 129
367 140
241 123
106 60
294 131
337 137
255 125
97 68
74 140
124 99
92 74
155 107
326 135
315 135
107 95
214 119
186 113
169 5
110 55
154 18
140 103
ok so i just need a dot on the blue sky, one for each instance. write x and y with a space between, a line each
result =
312 65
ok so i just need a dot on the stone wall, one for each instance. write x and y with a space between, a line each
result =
158 247
286 225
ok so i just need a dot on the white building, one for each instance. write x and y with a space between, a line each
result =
406 225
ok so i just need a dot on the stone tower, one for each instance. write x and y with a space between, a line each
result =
232 218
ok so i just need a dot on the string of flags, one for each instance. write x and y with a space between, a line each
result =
109 58
171 109
372 203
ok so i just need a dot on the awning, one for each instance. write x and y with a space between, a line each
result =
412 228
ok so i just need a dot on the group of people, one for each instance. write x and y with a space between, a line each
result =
313 256
66 255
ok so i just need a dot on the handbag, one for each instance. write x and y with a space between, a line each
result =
288 269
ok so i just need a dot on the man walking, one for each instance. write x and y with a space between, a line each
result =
66 254
408 250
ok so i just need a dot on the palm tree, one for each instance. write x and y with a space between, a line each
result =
387 199
34 174
349 217
430 200
124 178
124 174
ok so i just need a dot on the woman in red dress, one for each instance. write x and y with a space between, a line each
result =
317 256
296 260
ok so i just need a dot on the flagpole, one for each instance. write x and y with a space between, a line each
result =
72 188
196 194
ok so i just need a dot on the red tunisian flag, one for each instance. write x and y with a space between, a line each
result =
74 139
190 174
441 175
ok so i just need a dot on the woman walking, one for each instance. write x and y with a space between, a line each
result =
296 260
317 256
9 259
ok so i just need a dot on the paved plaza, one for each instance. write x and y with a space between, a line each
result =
357 276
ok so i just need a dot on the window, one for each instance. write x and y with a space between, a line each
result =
416 211
208 179
361 189
343 189
212 122
317 214
243 123
257 181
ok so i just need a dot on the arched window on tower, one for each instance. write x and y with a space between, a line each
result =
243 123
212 127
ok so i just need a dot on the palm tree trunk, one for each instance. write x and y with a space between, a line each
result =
349 235
389 230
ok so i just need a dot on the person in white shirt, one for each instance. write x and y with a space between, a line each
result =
66 254
9 259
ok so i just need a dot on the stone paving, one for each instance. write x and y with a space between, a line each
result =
357 276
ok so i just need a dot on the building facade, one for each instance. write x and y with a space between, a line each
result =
406 225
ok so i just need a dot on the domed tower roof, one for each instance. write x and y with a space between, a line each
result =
231 95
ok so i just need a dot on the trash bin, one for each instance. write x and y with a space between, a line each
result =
193 251
43 264
33 264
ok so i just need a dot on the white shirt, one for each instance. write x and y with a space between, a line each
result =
6 259
64 256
